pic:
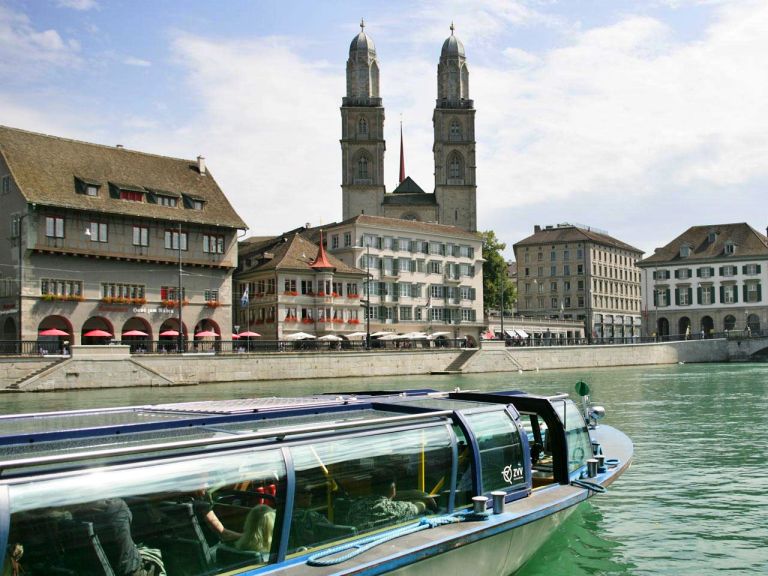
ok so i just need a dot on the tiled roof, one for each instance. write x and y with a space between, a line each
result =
560 234
748 242
291 252
45 169
403 226
408 186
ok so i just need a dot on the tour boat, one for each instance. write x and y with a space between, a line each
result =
414 482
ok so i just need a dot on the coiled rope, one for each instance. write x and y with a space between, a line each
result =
329 557
593 486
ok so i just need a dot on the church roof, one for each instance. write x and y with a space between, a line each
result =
408 193
50 170
408 186
452 47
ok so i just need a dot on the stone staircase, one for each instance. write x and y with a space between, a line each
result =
455 366
17 384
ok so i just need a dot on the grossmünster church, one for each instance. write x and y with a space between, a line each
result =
453 201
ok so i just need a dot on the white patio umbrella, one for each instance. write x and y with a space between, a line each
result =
435 335
355 335
393 336
416 336
378 334
299 336
331 338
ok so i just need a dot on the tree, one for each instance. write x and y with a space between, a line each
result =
495 274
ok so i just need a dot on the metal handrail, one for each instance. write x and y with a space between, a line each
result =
276 433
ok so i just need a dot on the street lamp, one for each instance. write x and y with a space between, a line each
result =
179 297
501 306
21 268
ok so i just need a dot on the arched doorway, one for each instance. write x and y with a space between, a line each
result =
708 326
137 333
97 330
207 335
54 335
753 323
471 341
684 327
662 329
168 337
729 322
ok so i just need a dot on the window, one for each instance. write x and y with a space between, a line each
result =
752 292
122 291
728 271
728 294
91 190
132 195
455 130
140 236
580 285
553 270
362 168
167 201
567 286
706 295
684 296
172 293
730 248
347 239
566 269
211 295
5 185
54 227
705 272
435 267
307 287
553 302
290 286
352 289
455 168
406 313
362 127
552 256
98 231
52 287
751 269
175 240
334 241
580 269
683 273
685 251
553 286
213 243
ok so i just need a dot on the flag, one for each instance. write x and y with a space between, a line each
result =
244 299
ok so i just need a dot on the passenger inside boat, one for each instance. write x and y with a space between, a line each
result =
258 530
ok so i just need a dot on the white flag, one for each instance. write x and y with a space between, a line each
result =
244 299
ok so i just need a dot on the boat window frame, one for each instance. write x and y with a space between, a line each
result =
5 523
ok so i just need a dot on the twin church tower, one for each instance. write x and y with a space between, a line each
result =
362 143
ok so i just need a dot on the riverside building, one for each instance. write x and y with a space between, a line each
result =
707 280
574 272
111 240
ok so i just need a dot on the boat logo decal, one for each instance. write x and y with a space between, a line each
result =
511 474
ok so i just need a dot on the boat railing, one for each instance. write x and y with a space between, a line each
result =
51 460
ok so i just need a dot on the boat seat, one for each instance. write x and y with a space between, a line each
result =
230 557
185 548
81 552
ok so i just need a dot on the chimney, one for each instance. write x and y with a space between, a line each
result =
201 165
536 228
118 146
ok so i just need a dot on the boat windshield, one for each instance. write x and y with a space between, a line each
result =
576 433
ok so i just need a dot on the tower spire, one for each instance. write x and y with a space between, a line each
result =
402 154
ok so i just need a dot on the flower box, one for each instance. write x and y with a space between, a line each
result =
353 321
334 294
213 303
338 321
307 321
321 294
353 296
291 319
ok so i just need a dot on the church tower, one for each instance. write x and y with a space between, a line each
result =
454 147
362 132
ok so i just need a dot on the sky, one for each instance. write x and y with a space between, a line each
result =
640 119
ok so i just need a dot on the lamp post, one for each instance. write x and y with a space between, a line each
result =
501 307
368 295
179 297
21 269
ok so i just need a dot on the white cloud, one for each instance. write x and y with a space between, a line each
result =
25 51
79 5
133 61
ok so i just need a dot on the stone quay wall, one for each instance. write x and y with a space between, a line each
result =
113 366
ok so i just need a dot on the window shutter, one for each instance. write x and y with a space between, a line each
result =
690 295
744 269
712 294
677 294
698 272
677 273
744 292
759 294
654 274
655 297
758 268
735 293
722 293
721 270
698 294
667 299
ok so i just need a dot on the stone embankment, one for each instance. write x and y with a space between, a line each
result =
113 366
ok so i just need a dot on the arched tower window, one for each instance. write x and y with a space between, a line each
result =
362 127
455 130
362 167
455 169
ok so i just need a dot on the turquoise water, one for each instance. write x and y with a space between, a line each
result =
694 502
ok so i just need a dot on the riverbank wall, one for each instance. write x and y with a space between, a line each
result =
92 367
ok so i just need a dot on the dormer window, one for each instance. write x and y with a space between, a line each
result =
127 192
712 236
193 202
86 186
685 251
168 201
730 248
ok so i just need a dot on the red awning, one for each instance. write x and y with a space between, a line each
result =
248 334
135 333
97 333
169 333
206 334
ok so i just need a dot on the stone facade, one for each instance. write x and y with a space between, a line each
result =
362 144
577 273
424 277
708 280
102 233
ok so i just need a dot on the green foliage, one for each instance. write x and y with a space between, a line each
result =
495 274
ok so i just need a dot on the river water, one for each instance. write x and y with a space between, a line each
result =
694 502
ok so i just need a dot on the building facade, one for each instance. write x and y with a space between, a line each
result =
453 201
706 281
112 240
423 277
289 284
574 272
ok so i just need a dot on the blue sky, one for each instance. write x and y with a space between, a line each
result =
638 118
